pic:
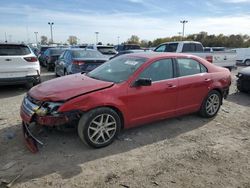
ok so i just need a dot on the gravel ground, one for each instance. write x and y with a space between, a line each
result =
181 152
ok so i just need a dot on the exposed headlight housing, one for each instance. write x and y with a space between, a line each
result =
48 108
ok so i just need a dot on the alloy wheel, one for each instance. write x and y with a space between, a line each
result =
212 104
102 129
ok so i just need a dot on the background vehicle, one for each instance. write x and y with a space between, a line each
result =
18 65
41 51
243 56
78 60
128 52
50 56
108 51
123 47
224 59
113 95
243 82
79 46
214 49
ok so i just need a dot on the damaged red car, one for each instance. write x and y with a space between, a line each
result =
124 92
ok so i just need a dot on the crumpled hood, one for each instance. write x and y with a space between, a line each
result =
66 87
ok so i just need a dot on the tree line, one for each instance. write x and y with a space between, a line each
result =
231 41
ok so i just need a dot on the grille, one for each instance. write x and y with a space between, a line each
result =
29 107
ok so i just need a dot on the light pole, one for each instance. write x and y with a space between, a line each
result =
5 34
183 22
51 34
118 40
96 36
36 36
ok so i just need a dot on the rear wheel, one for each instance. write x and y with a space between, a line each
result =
98 127
247 62
211 104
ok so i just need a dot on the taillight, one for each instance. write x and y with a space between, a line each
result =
209 58
78 62
30 59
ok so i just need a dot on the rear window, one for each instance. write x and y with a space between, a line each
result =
106 50
171 47
56 51
86 54
12 50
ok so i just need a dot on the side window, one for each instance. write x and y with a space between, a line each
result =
159 70
190 67
198 48
161 48
61 56
189 47
203 68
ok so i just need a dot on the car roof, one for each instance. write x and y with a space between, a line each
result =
81 49
14 44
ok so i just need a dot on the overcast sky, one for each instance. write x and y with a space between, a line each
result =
149 19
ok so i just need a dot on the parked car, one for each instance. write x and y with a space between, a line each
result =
243 56
41 56
214 49
123 47
128 52
18 65
243 82
223 58
108 51
50 56
78 60
79 46
125 92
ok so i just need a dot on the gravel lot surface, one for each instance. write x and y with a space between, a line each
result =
188 151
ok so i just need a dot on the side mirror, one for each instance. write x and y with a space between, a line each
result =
143 82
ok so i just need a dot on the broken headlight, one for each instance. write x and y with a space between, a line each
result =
48 108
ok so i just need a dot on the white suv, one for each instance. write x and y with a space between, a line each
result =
18 65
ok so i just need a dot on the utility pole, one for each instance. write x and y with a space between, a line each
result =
183 22
36 36
118 40
51 33
96 36
5 34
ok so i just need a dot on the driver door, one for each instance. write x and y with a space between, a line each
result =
159 100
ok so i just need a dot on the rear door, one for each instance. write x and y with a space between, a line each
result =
194 82
12 62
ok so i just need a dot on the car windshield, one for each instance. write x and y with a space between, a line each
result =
106 50
118 69
56 51
12 50
86 54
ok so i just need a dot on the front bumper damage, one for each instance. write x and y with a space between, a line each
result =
30 140
31 120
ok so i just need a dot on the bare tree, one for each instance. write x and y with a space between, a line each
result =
44 39
72 40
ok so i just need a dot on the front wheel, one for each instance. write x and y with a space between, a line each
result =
99 127
211 104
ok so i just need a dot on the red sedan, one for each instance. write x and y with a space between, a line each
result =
124 92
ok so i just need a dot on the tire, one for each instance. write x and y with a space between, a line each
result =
93 134
240 86
49 67
247 62
29 85
214 100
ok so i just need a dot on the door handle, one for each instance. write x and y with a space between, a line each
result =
207 80
171 85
